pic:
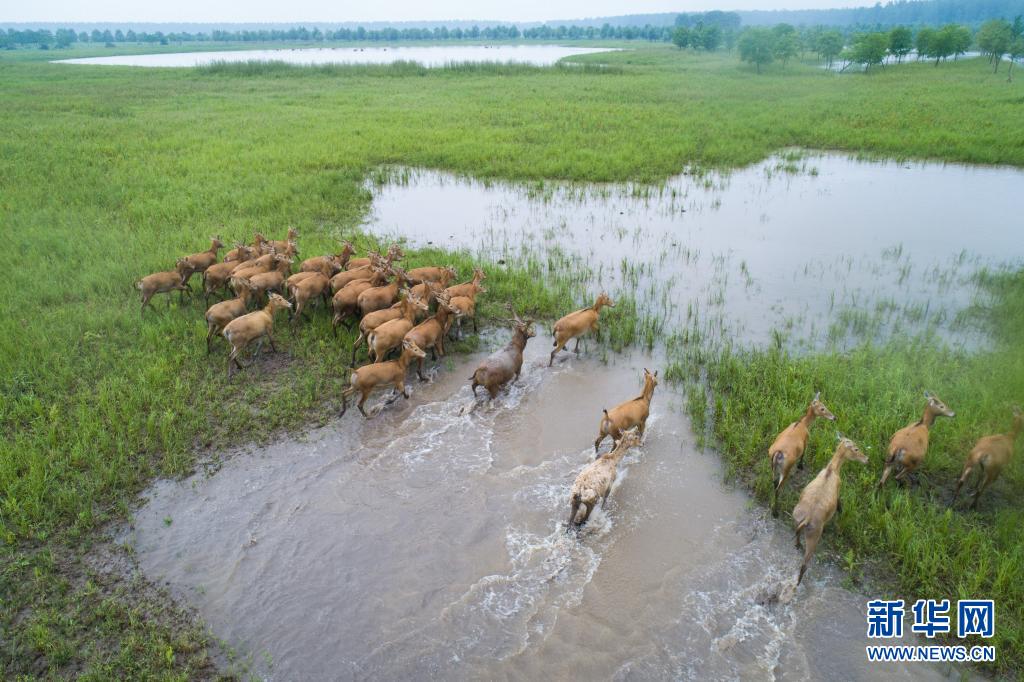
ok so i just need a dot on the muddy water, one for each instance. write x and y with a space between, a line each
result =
795 243
538 55
428 545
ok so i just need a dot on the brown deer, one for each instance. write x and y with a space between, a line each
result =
909 445
788 447
219 314
391 333
287 243
265 282
627 415
259 324
346 301
442 275
369 377
256 266
989 456
596 479
574 325
504 365
378 298
240 253
431 332
394 253
470 288
329 265
308 289
820 500
204 259
163 282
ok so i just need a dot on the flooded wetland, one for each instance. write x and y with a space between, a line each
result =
428 543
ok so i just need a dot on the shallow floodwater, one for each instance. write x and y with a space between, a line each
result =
428 545
816 246
538 55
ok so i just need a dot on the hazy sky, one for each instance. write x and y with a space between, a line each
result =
379 10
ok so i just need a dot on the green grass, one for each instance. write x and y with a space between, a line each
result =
905 539
108 173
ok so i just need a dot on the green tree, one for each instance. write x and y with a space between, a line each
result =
869 49
706 37
786 42
681 37
924 42
830 46
1015 52
757 46
901 42
994 39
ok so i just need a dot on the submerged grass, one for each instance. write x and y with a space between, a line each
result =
108 173
905 538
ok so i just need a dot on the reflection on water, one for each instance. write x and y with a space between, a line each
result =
424 544
538 55
819 246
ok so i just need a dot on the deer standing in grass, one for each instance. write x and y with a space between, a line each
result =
503 366
256 266
220 314
308 289
789 446
442 275
470 288
242 331
378 298
989 456
345 302
596 479
632 413
392 333
575 325
820 500
910 444
265 282
218 276
431 332
368 377
240 253
288 243
377 318
204 259
163 282
394 253
329 265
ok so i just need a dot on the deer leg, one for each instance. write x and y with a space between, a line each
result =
800 462
983 482
885 475
589 507
209 338
574 508
576 348
355 347
959 484
811 543
419 370
839 506
475 330
559 345
271 340
597 441
362 401
604 498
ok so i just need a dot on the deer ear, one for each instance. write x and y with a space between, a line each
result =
839 436
927 395
817 396
655 374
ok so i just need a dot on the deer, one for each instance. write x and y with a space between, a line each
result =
428 291
575 324
258 324
442 275
819 500
329 265
394 253
596 479
392 333
240 253
308 289
989 456
788 447
346 301
431 332
260 244
163 282
256 266
627 415
375 319
504 365
288 242
470 288
369 377
219 314
909 445
204 259
378 298
218 276
274 279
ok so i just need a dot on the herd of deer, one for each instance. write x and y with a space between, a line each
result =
387 302
819 500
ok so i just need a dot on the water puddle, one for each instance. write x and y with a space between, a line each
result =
427 544
819 248
537 55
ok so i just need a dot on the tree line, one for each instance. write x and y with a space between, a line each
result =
995 39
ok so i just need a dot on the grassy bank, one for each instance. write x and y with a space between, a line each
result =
905 538
108 173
